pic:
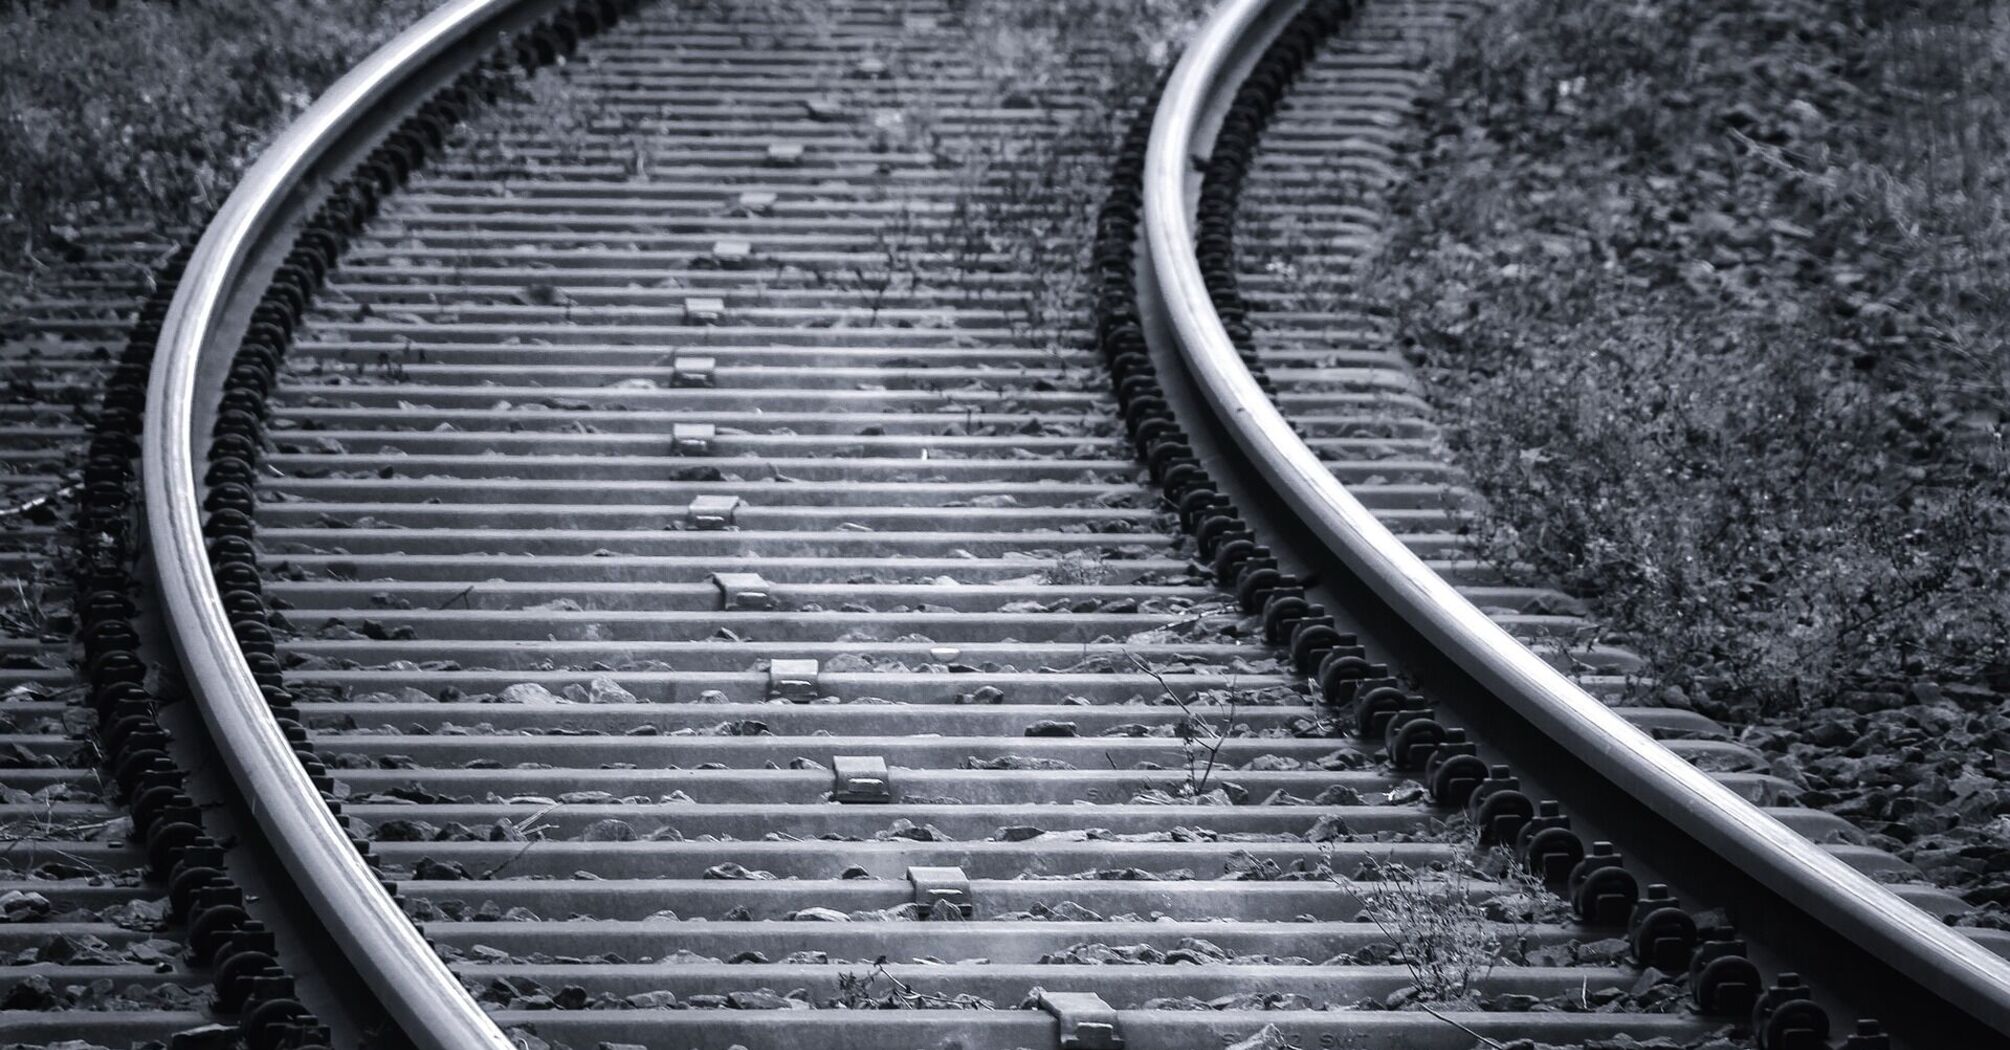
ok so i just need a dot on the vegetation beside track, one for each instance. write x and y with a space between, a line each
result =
1713 297
144 113
1085 65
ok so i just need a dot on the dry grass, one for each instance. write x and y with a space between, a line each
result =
1714 294
1028 199
145 112
1450 925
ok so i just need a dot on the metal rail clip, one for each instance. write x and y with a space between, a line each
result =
941 885
711 512
1361 687
793 679
692 439
704 309
743 590
696 370
1083 1021
860 778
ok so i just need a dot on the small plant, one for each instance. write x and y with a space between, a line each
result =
1441 935
1200 738
878 989
897 269
1022 203
1445 932
530 831
27 615
1076 568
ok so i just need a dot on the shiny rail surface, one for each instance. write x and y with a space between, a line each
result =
1863 910
428 1003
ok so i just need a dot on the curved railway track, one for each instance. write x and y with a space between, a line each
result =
656 578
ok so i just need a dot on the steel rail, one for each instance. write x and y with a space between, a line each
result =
1941 960
421 994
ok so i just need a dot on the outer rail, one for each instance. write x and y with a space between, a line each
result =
407 976
1941 960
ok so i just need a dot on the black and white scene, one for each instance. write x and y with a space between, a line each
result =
1005 525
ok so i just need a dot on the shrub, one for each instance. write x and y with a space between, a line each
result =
1450 924
141 112
1711 293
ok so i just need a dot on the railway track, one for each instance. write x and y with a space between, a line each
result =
90 949
660 558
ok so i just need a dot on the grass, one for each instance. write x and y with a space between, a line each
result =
1076 568
1442 934
1201 739
1451 924
1024 203
1051 182
1713 292
145 113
